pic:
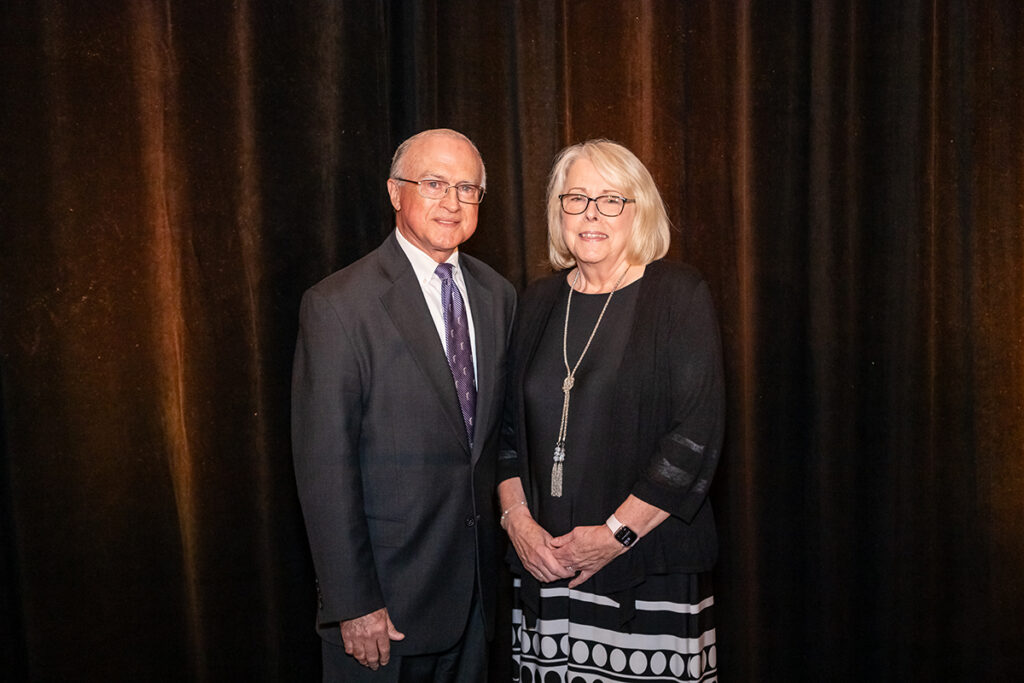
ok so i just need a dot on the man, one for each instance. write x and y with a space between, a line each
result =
396 402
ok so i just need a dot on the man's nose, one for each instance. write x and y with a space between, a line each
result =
450 200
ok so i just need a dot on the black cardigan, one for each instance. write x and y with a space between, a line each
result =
668 432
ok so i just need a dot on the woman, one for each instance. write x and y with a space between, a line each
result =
613 429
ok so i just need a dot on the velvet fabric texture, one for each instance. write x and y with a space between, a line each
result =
848 176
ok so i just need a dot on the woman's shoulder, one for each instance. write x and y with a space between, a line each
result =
545 287
659 276
678 280
674 272
536 303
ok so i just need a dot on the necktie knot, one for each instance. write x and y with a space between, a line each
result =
444 271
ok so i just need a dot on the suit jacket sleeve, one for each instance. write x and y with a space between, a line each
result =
326 421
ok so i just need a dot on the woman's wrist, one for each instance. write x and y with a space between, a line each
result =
511 509
622 534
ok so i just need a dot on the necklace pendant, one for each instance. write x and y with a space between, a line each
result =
568 383
556 471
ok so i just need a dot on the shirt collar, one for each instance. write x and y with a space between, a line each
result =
423 265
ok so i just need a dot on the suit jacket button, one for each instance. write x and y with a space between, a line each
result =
470 521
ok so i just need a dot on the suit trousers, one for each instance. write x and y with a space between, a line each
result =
464 662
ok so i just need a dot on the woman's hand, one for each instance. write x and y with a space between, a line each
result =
586 549
531 541
533 545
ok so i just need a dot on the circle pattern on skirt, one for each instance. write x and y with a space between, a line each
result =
629 662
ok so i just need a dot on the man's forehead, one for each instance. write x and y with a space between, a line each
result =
437 152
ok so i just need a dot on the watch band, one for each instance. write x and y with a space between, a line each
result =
622 533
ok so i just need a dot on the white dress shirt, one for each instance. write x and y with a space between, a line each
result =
430 283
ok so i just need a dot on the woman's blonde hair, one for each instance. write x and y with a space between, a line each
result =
649 235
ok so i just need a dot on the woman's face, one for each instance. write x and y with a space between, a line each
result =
593 238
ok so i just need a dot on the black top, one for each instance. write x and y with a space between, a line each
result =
591 404
662 436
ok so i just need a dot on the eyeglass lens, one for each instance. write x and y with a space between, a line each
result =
465 192
609 205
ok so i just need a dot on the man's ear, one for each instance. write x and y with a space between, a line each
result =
395 194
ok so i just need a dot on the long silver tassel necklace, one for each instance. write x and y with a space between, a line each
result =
570 380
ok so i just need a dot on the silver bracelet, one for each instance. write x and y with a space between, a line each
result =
504 515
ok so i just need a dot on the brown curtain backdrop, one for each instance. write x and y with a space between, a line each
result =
849 176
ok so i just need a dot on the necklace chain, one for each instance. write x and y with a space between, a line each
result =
570 380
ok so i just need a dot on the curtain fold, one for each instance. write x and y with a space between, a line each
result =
849 177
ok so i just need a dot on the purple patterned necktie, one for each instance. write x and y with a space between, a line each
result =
457 346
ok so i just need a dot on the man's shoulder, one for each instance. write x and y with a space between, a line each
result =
360 278
487 275
479 268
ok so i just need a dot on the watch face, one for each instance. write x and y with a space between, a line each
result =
625 535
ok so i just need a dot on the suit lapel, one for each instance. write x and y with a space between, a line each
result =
483 307
408 311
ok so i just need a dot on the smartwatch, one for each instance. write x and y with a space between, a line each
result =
622 533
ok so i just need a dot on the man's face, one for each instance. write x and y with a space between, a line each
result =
436 226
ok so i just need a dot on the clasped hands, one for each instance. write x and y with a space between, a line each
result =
581 553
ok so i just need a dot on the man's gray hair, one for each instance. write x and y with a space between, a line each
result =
397 169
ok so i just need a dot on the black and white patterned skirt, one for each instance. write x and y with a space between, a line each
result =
578 638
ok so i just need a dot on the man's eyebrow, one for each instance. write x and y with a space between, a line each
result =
441 176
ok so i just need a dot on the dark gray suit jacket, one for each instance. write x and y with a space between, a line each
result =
400 512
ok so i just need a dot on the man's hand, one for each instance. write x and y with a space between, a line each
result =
368 638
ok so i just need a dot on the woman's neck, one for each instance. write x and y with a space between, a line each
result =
588 279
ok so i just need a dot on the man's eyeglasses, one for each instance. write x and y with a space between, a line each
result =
467 193
610 205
